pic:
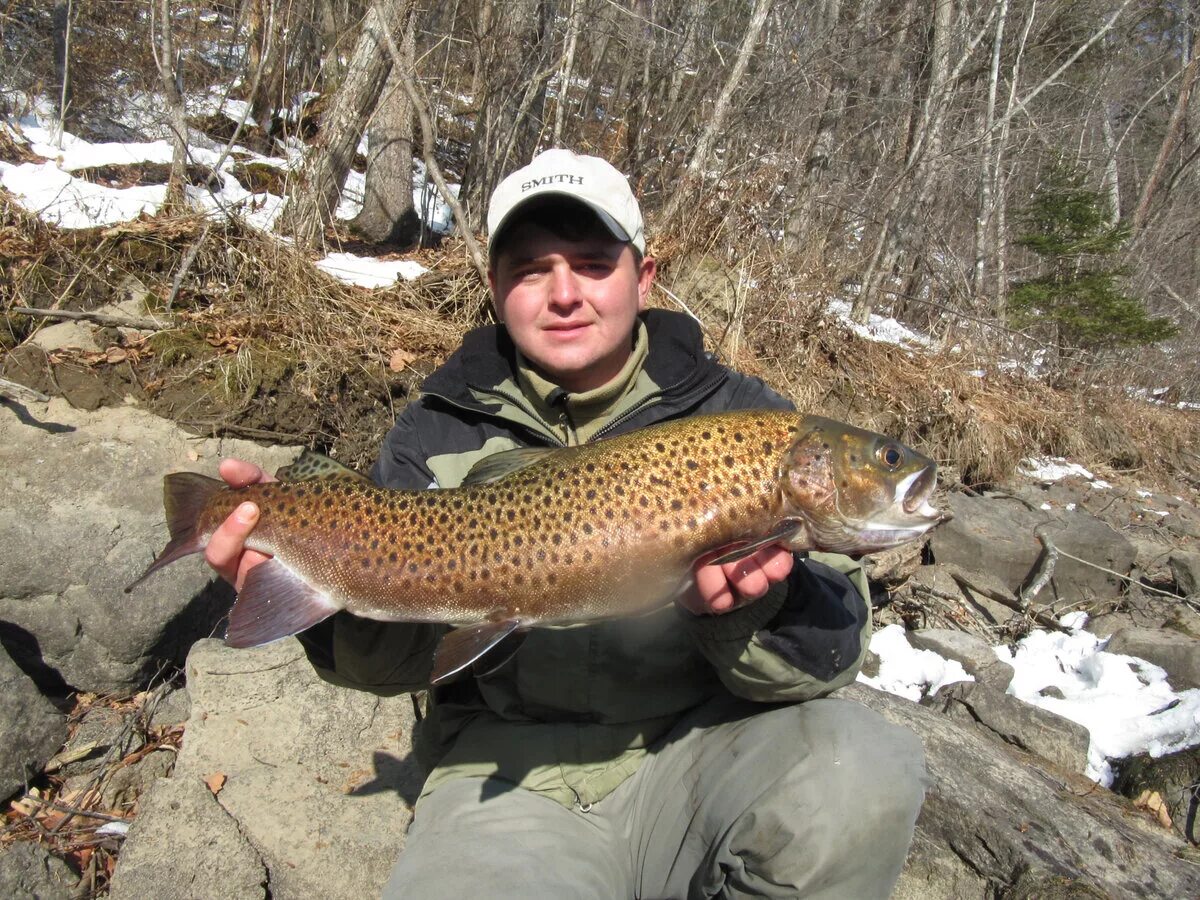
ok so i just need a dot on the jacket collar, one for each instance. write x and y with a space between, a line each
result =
487 359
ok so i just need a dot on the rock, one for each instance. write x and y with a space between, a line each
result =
64 335
31 728
122 789
1177 653
976 656
1058 740
184 846
30 872
938 579
80 517
1175 778
995 817
172 708
1151 558
1185 569
102 732
319 779
996 537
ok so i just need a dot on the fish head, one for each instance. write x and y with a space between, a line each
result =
856 491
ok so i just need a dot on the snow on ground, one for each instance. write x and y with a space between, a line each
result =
52 192
908 672
883 329
367 272
1055 468
1125 703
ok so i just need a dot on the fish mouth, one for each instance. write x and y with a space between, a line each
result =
914 492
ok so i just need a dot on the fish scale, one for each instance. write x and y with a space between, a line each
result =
606 529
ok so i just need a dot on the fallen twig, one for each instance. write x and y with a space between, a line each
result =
14 391
1043 570
97 317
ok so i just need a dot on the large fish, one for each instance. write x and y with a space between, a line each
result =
537 537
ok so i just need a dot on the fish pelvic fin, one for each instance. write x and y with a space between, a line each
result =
275 602
310 465
185 495
463 646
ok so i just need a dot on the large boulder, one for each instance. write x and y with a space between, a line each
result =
998 821
317 780
1177 653
31 728
80 517
995 536
30 872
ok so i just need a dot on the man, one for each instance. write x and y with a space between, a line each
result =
681 754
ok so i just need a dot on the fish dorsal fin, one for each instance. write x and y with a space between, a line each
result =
310 465
496 466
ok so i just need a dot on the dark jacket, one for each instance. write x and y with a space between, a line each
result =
572 714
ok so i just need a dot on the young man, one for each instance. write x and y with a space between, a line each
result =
681 754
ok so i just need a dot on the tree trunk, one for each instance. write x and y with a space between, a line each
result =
1170 140
716 120
60 20
166 61
314 195
986 212
566 73
387 215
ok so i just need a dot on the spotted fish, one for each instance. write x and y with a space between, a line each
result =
537 537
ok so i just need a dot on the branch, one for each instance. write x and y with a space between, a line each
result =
19 392
97 317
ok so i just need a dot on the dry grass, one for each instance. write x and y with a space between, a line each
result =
243 286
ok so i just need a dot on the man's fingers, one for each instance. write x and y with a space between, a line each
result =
227 544
239 473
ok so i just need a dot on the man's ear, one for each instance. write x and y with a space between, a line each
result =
645 280
497 307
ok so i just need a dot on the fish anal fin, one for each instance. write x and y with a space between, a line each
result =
784 532
311 465
463 646
494 467
274 603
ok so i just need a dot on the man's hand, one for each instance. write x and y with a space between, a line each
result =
226 551
719 589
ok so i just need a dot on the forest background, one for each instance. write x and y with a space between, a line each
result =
1017 179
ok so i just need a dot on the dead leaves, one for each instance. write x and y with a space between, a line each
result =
1153 803
216 781
401 359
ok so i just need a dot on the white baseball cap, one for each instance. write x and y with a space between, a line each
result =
588 179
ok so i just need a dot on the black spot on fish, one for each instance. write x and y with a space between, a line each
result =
728 460
556 539
660 447
677 504
692 464
620 491
518 540
551 579
735 491
485 574
444 518
304 523
439 551
591 494
643 501
413 568
459 586
541 555
768 447
519 579
452 564
374 543
328 502
587 528
512 516
587 555
707 435
590 467
393 556
738 436
497 556
420 547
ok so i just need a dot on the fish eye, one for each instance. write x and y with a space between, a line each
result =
890 455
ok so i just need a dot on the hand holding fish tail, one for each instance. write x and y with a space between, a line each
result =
226 551
722 588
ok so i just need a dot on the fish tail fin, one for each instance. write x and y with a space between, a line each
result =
185 494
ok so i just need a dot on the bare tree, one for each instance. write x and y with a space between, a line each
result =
387 215
166 61
313 196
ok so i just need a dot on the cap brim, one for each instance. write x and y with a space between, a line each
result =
609 222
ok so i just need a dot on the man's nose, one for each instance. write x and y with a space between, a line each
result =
564 287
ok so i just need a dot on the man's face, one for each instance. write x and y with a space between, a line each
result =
570 306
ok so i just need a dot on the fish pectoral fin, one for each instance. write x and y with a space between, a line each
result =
496 466
782 533
463 646
310 465
274 603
